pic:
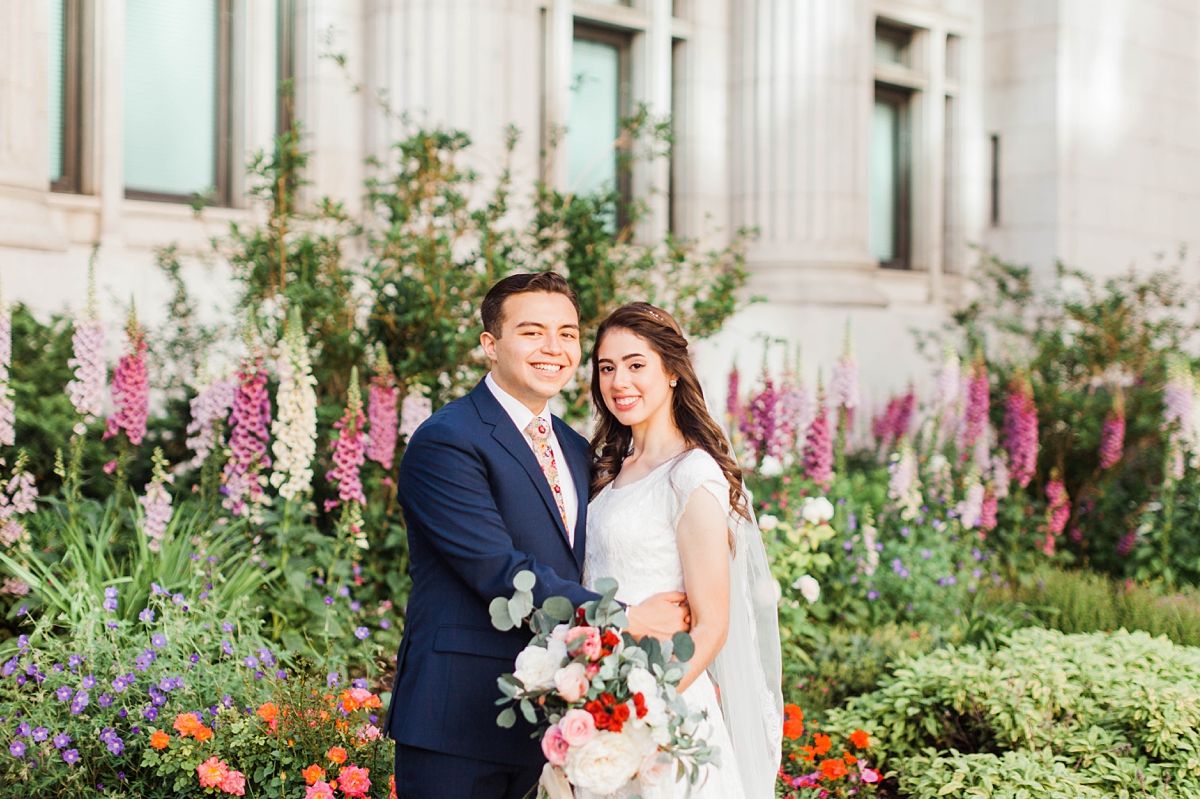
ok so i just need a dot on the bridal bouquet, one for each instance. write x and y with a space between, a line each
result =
606 706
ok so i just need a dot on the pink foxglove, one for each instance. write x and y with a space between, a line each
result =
1021 432
210 412
1112 439
349 448
818 447
131 388
249 423
156 503
86 390
382 414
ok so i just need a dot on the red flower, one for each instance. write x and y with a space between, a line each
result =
639 704
621 713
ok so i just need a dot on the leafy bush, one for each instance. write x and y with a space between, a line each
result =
1084 602
1113 712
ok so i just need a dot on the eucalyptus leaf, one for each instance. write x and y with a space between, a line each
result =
606 587
524 581
653 650
519 606
527 711
507 718
559 608
684 647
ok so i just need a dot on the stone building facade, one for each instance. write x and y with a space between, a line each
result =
872 143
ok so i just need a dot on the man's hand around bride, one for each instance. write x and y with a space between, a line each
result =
660 616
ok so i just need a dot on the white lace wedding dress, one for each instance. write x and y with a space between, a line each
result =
631 538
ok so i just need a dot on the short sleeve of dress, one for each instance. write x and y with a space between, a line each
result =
697 469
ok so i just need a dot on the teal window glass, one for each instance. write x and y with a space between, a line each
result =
57 89
170 96
884 181
593 118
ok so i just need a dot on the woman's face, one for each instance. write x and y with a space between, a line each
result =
635 386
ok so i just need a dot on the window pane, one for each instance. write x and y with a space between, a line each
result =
884 173
58 72
892 45
170 95
594 117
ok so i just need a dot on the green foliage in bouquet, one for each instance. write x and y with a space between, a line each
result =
1106 712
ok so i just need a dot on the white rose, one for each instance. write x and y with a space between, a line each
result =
536 666
771 467
560 633
767 522
642 682
808 587
656 712
608 761
655 768
817 510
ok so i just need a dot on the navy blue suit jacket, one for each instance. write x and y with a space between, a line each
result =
478 509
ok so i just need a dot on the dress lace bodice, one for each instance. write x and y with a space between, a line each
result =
631 529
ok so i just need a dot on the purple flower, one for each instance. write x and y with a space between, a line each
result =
281 674
75 661
227 627
63 693
178 599
265 654
150 713
61 740
89 682
22 642
111 592
17 748
40 734
334 678
258 675
158 640
117 746
10 666
872 595
105 700
356 606
328 600
926 554
362 633
361 682
80 702
71 756
143 661
384 624
343 592
250 661
23 729
110 605
147 615
228 647
194 657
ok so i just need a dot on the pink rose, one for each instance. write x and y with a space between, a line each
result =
577 727
653 769
592 669
319 790
590 643
572 682
554 746
870 776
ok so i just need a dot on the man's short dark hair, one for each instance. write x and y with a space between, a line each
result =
492 309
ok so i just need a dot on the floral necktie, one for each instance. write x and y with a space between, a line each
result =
539 432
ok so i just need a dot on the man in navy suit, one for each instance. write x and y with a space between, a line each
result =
492 484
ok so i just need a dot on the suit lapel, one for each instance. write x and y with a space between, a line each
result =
577 460
514 441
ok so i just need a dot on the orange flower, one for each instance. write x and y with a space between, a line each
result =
202 734
833 769
159 739
809 752
336 755
187 724
860 739
267 711
793 725
354 781
313 773
822 743
212 772
391 786
849 758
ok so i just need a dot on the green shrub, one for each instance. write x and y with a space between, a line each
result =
1118 712
1084 602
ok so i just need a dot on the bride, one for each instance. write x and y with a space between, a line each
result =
669 512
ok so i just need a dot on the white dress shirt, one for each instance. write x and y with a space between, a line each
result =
521 417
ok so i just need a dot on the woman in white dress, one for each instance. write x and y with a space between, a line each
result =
669 513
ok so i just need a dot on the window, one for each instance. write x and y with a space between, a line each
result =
953 57
177 82
893 45
888 228
995 193
285 41
950 182
64 106
598 101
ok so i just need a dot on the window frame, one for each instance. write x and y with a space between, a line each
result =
222 179
901 99
622 40
285 66
70 181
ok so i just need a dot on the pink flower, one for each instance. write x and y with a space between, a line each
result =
554 746
577 727
818 448
87 359
413 412
348 447
110 467
870 776
318 790
1021 432
209 407
212 772
733 400
381 411
1112 439
585 640
250 424
1057 514
795 413
354 782
761 422
977 407
1125 545
131 388
893 424
987 513
234 783
571 682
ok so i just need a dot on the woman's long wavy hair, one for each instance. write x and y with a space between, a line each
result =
612 440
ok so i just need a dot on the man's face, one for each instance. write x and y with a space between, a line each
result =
538 348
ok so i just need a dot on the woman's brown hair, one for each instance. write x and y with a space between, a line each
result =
613 440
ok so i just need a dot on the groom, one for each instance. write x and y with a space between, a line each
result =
492 484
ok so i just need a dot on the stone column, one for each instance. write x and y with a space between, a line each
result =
25 219
800 125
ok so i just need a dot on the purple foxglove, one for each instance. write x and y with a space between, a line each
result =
249 423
